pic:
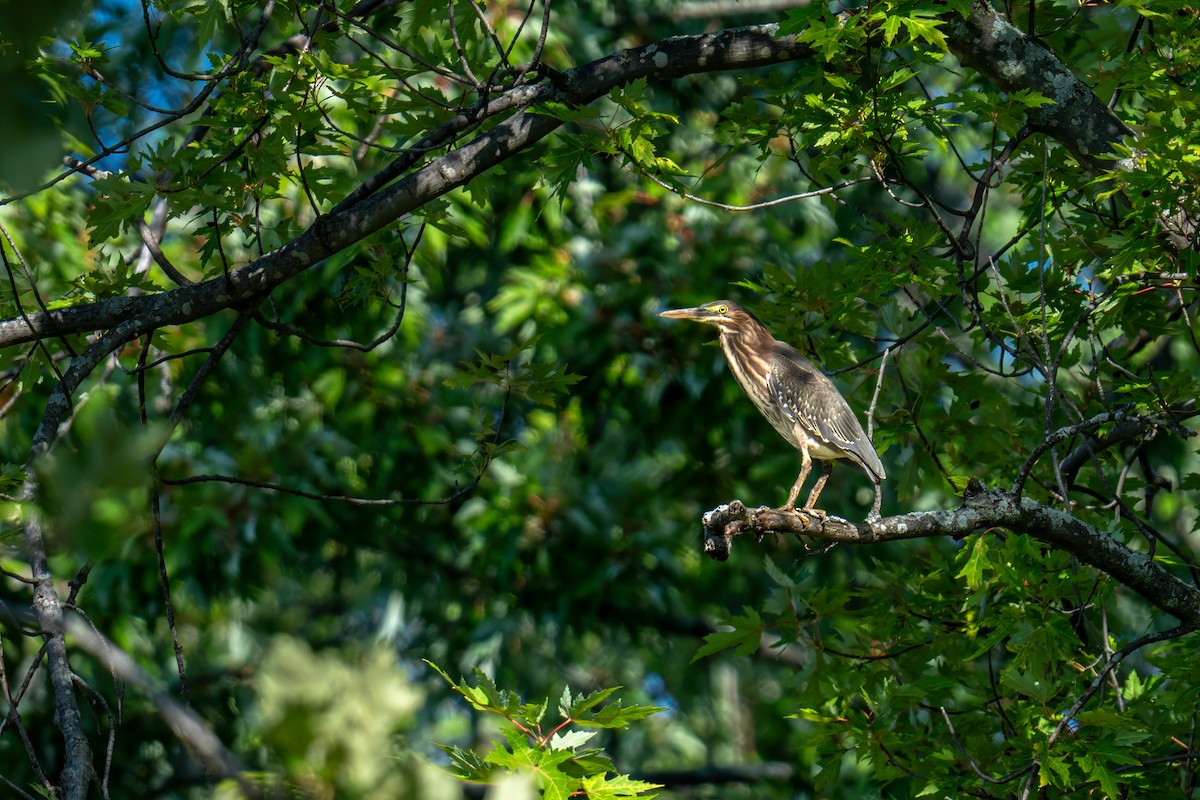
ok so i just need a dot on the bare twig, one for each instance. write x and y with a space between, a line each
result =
14 716
183 720
754 206
975 766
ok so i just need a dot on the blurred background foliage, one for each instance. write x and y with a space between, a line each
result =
555 443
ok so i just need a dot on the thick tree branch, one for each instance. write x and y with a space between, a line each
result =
741 48
983 40
1077 119
986 42
78 771
980 510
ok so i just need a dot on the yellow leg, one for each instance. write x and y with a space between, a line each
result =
826 468
811 505
805 468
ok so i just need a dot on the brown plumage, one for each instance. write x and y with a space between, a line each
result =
799 400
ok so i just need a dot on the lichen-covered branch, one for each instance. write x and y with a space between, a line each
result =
986 42
1077 119
980 510
78 770
983 40
741 48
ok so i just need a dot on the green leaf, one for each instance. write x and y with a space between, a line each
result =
891 26
570 740
599 787
745 636
927 29
581 705
1039 688
827 35
978 562
1096 768
833 79
777 575
543 764
1055 770
960 482
561 111
466 764
486 696
83 49
614 715
812 715
1001 628
588 762
1134 686
1027 98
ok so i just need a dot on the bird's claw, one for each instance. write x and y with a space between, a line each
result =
816 512
804 513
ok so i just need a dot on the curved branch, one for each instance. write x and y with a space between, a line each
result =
980 510
985 41
1128 424
741 48
1012 60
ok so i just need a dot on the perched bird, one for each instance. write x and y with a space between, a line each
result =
796 398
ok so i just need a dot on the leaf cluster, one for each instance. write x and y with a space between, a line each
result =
560 763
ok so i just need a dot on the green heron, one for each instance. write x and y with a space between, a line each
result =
796 398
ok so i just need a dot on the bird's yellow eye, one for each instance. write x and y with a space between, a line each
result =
721 310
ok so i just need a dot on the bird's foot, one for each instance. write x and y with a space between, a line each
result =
816 512
790 505
804 512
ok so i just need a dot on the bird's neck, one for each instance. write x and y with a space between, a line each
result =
748 352
753 337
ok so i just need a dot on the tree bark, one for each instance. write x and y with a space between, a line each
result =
983 40
981 510
741 48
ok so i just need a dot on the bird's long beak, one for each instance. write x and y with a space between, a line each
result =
685 313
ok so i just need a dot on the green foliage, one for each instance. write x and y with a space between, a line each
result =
332 720
95 484
505 474
745 632
556 759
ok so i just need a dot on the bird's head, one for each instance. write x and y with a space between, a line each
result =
728 317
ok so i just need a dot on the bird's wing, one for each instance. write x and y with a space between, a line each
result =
807 396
